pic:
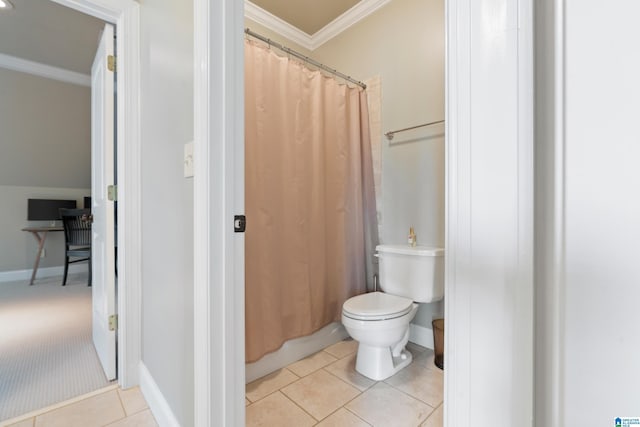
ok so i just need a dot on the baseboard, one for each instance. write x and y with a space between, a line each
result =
15 275
421 335
155 399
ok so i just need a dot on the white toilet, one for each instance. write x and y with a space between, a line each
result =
379 321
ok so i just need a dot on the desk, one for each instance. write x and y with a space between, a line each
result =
40 234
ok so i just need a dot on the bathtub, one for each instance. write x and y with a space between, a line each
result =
294 350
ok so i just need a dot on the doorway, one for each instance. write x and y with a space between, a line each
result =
48 353
404 90
220 391
124 15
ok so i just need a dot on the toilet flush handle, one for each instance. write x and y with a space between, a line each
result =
375 275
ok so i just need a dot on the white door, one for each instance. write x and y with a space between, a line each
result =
102 166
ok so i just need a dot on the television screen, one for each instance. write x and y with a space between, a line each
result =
47 209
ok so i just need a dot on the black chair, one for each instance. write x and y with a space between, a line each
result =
77 238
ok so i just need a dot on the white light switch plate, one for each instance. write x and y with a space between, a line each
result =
188 159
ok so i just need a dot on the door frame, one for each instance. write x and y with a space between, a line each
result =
219 257
218 194
124 14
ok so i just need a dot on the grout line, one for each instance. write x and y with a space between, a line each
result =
124 409
295 403
357 416
131 416
360 392
122 403
315 354
414 397
323 369
348 383
354 398
257 400
267 395
432 412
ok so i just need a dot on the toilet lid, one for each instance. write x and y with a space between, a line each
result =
376 306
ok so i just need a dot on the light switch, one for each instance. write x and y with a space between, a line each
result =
188 159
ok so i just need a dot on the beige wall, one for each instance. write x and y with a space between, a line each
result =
403 43
45 152
46 132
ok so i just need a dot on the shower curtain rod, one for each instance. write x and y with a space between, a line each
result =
304 58
389 135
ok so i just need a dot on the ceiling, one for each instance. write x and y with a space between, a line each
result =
48 33
309 16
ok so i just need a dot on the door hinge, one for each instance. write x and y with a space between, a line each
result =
239 223
113 322
111 63
112 193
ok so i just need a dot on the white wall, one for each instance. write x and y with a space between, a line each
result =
45 153
403 43
597 184
167 201
602 272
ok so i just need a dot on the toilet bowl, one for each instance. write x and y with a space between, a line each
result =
380 324
379 321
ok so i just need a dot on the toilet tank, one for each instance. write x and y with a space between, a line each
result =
415 272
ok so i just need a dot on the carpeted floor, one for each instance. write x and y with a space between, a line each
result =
46 349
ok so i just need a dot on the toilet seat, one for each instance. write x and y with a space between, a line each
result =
376 306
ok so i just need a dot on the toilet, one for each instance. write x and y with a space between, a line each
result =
379 321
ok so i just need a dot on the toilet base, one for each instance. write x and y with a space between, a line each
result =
378 363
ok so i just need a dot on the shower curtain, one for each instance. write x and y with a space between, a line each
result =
309 199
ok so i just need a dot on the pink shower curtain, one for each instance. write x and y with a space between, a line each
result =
309 199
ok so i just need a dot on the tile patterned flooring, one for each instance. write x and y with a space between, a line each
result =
111 407
322 390
325 390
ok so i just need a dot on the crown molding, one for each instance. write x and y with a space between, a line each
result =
37 69
262 17
358 12
352 16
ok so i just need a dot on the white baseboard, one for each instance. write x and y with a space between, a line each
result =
421 335
155 399
12 276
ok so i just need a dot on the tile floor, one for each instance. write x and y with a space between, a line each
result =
322 390
325 390
112 407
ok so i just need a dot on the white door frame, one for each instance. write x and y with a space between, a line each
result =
124 14
219 288
489 295
218 194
